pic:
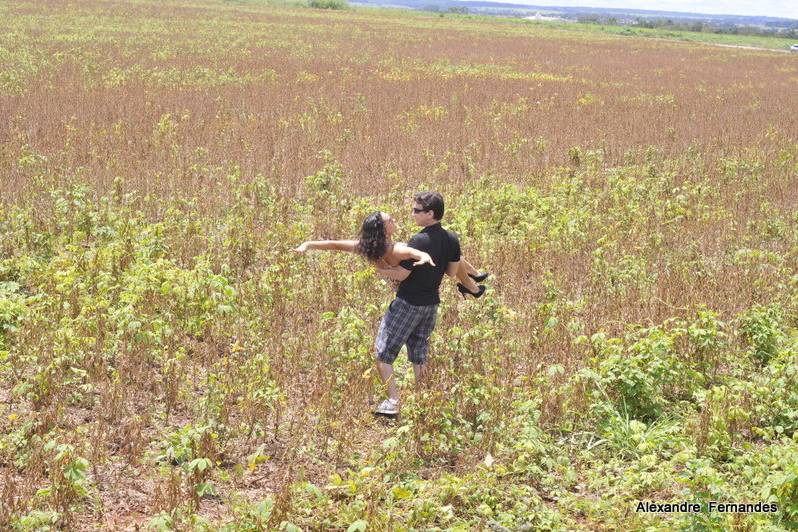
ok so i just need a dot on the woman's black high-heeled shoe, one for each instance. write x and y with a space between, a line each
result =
463 290
479 278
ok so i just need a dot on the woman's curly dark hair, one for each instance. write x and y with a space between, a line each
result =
373 240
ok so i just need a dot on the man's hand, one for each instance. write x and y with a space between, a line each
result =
303 247
397 273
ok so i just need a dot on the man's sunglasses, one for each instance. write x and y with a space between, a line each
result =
416 211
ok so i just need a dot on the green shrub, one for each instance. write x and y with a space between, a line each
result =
783 488
762 328
187 444
720 424
641 380
12 307
632 439
773 396
328 4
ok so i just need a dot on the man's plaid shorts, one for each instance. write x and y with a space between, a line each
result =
405 324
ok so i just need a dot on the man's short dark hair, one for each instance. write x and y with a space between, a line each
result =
430 201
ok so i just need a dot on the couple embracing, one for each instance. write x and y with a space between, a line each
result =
418 267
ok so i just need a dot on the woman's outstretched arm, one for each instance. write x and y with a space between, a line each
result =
333 245
405 252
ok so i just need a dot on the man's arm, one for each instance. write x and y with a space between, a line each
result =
451 268
397 273
454 257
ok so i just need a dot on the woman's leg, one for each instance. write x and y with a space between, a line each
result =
464 278
468 267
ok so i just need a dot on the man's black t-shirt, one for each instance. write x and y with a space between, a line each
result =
421 286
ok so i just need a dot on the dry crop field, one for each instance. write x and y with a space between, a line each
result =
166 362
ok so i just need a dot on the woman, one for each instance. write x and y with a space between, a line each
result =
376 245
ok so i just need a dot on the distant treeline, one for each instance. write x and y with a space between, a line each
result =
765 29
666 20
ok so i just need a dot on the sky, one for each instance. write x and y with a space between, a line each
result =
769 8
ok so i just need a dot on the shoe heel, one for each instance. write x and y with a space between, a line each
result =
465 291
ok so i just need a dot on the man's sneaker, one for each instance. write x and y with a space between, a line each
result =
389 407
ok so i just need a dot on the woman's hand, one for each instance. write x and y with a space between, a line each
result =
301 248
425 259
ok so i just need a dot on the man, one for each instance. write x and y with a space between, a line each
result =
411 316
